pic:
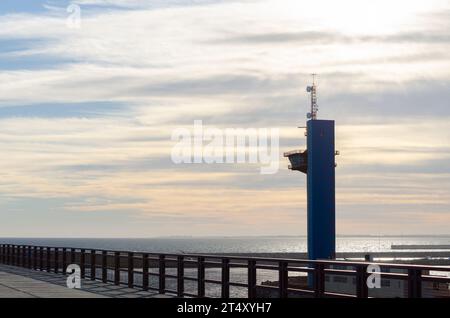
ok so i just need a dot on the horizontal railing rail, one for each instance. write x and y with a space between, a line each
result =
140 269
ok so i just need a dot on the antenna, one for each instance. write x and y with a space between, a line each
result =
313 91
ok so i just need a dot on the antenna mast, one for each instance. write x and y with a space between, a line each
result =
313 91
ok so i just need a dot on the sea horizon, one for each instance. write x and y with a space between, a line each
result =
231 244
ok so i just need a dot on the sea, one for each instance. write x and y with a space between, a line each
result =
254 244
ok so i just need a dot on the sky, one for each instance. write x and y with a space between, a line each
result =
87 113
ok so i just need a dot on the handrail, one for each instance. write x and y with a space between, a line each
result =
266 259
129 264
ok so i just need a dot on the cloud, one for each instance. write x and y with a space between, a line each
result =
141 4
86 115
332 38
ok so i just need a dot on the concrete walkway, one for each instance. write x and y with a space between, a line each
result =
18 282
15 286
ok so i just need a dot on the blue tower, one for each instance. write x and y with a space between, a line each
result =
318 163
321 190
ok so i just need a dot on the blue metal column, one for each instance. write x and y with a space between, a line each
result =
321 190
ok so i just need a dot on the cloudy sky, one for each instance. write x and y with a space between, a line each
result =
86 114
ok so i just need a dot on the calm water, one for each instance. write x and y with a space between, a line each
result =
230 244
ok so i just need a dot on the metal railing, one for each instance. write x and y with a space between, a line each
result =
123 268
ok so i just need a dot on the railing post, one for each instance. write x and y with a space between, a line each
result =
18 255
22 255
104 266
283 279
12 261
93 266
47 259
201 277
82 262
414 283
35 258
251 279
41 258
162 274
8 254
116 268
72 256
56 260
13 255
64 261
225 278
362 290
180 276
30 260
25 256
17 252
2 254
145 271
130 270
319 280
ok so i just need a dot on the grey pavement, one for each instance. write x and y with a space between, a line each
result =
17 282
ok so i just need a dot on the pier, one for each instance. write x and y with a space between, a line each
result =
27 269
